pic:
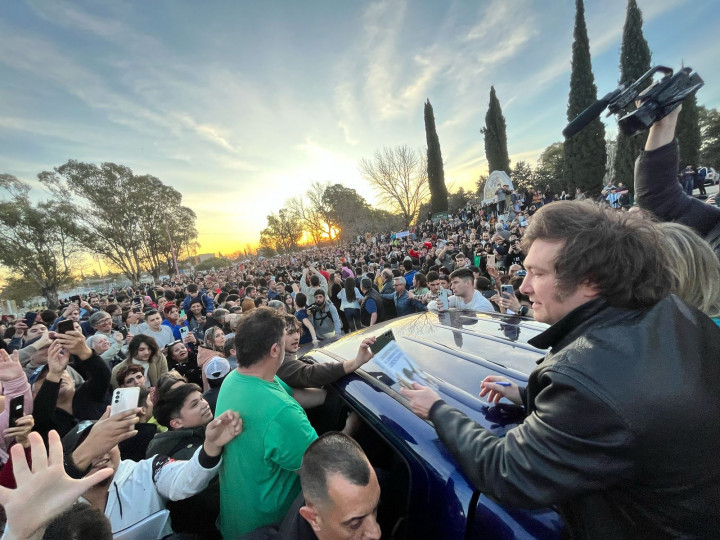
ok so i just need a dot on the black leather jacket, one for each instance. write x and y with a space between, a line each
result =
622 430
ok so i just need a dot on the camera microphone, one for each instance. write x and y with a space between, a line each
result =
589 114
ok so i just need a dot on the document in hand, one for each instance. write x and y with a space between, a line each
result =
390 358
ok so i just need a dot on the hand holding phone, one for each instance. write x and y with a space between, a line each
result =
17 410
442 300
124 399
507 291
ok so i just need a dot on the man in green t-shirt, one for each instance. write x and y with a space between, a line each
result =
258 477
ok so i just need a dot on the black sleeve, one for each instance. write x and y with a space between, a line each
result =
658 191
98 380
44 407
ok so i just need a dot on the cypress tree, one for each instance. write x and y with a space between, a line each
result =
688 132
496 151
585 152
436 175
634 62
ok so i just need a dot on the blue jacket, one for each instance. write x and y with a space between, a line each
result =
206 300
404 305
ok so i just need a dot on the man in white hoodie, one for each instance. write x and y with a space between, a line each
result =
137 490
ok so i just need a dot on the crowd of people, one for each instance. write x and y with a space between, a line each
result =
219 444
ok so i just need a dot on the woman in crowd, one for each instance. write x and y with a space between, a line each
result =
196 318
420 284
350 304
694 268
289 302
144 350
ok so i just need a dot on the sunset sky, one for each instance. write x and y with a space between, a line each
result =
240 105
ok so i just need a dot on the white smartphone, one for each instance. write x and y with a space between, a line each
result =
491 260
184 332
124 399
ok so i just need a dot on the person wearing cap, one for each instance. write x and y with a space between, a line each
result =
215 372
137 490
101 322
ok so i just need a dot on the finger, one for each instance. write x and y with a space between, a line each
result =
39 456
95 478
4 357
21 470
55 449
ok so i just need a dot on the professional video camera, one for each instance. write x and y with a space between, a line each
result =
656 103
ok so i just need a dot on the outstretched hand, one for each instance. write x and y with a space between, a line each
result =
221 431
421 398
10 367
43 493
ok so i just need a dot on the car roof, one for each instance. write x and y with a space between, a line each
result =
456 349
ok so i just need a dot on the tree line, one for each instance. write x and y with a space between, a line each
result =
129 220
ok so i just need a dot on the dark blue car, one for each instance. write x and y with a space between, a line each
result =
424 492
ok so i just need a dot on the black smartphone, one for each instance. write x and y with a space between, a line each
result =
75 299
17 410
381 341
30 317
137 300
63 327
488 294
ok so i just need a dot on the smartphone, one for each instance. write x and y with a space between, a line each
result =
184 331
75 299
182 312
491 260
124 399
137 300
30 317
507 289
17 410
443 296
63 327
488 294
381 341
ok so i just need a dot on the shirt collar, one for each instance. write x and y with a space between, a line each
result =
553 336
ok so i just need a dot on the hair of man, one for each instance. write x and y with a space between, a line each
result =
596 236
463 273
171 402
256 334
332 453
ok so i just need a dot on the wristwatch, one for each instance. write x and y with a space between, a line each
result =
523 311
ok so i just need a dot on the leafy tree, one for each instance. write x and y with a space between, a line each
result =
495 134
435 173
522 175
634 62
458 200
710 131
215 262
19 289
549 169
584 152
37 241
347 210
282 233
399 177
123 216
688 132
480 184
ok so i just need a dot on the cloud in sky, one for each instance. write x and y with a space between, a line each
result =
241 105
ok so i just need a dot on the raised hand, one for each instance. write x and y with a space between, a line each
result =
47 489
10 367
221 431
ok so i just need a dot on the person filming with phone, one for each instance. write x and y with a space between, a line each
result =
465 296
